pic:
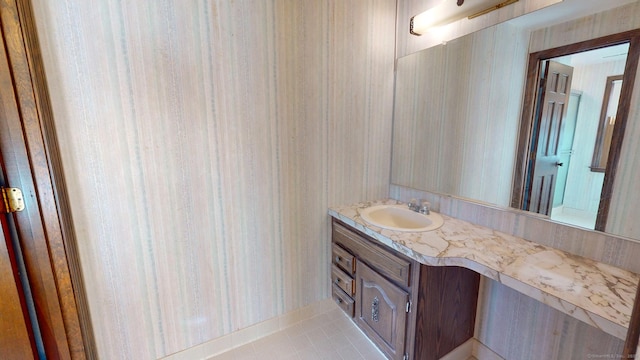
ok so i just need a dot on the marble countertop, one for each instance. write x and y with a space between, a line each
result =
601 295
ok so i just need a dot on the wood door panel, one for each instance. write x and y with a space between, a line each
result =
550 129
15 339
554 97
381 311
446 310
543 187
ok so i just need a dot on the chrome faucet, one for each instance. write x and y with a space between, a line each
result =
422 206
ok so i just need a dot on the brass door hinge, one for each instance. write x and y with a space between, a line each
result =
12 200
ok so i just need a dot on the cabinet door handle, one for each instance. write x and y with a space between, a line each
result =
375 309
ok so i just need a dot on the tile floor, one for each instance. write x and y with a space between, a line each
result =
330 336
585 220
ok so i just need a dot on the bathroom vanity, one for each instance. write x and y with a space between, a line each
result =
410 310
375 270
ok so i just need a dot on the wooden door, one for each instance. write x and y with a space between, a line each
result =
565 151
16 338
552 104
381 311
29 152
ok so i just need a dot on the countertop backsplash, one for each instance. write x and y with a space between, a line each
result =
610 249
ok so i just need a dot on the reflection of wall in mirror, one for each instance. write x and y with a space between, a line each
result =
457 114
583 185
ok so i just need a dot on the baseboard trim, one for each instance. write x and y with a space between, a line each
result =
482 352
252 333
462 352
472 348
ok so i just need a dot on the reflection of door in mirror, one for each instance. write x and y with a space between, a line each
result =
565 147
545 138
571 193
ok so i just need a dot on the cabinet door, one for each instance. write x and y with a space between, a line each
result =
381 311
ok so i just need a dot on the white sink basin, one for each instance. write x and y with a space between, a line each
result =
401 218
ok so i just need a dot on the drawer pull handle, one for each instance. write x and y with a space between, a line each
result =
339 301
337 281
338 259
375 311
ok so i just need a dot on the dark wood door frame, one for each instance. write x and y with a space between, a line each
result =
30 150
532 83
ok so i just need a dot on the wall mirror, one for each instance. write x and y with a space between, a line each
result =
457 119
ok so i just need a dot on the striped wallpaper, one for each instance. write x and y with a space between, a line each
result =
204 141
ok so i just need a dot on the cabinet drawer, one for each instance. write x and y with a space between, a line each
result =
387 263
342 280
343 259
343 300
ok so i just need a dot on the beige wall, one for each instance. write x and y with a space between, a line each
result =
584 186
204 141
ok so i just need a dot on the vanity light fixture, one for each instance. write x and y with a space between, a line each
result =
448 11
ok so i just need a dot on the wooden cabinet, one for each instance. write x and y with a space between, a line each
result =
342 271
382 311
409 310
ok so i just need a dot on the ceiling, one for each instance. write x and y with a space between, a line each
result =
565 11
597 56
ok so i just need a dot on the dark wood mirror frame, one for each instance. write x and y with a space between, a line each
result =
605 128
531 85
